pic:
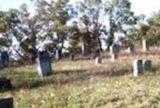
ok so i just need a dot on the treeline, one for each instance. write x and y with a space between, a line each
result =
80 28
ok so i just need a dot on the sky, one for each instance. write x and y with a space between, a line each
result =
146 7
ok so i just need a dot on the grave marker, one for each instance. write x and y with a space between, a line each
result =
147 65
137 67
114 50
6 103
98 60
5 84
145 45
44 64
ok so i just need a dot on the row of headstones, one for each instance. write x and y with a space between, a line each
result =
115 49
44 62
141 66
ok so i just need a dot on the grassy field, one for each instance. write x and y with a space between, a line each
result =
81 84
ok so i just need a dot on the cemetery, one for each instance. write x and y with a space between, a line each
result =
79 54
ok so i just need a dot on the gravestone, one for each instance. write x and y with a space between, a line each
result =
147 65
145 45
114 50
5 58
131 48
98 60
137 67
44 64
5 84
58 54
6 103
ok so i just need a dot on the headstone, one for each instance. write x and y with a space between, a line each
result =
72 57
147 65
114 50
5 58
131 48
58 54
6 103
44 64
145 45
98 60
83 49
96 53
137 67
5 84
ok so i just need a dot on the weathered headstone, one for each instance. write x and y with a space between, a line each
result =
98 60
114 50
44 64
147 65
145 45
6 103
5 84
137 67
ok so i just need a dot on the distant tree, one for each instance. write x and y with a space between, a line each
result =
153 31
54 15
121 19
89 25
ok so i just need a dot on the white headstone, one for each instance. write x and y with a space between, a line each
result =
137 67
57 55
147 65
130 48
145 45
98 60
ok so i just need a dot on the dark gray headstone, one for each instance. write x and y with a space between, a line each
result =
137 67
147 65
4 59
44 64
6 103
5 84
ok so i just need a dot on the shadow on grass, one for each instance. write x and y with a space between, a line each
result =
67 77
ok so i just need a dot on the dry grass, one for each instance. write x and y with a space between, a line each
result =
80 84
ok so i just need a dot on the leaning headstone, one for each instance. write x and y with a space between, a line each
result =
137 67
114 50
6 103
44 64
145 45
147 65
98 60
5 84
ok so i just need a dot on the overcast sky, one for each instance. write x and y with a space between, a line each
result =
146 7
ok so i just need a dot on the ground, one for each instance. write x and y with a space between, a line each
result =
81 84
